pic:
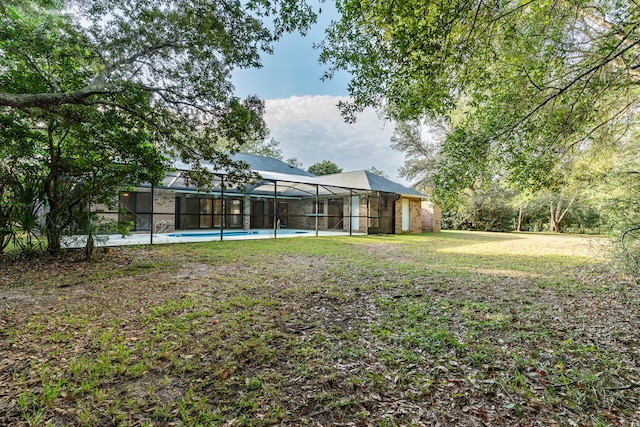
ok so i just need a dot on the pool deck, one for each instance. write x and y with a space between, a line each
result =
207 236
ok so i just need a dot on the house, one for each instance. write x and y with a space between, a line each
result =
283 197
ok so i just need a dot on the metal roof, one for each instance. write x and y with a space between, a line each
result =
262 163
287 181
365 180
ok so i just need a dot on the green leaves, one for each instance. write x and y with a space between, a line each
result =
325 167
97 94
164 64
526 85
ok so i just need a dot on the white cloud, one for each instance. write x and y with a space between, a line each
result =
311 129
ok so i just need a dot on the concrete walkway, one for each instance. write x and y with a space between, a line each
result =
192 236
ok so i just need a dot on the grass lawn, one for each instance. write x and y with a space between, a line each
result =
449 329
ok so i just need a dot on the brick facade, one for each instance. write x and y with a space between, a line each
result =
164 208
415 216
431 217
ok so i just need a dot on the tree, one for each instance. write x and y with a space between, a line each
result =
522 83
105 92
422 157
374 170
325 167
295 163
618 190
86 164
263 147
167 63
485 209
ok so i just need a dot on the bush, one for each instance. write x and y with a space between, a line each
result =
484 211
581 218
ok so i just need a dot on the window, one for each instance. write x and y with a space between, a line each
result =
203 212
318 209
234 210
135 207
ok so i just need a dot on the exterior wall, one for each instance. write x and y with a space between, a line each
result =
297 211
415 216
302 214
246 209
107 211
378 212
363 214
431 217
373 222
164 208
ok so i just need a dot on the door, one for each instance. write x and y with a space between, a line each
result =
405 215
334 214
355 213
193 213
177 220
257 214
206 213
235 213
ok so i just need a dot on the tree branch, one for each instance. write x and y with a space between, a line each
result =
573 82
81 96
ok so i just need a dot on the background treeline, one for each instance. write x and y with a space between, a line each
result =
500 209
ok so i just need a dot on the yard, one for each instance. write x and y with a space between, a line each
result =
450 329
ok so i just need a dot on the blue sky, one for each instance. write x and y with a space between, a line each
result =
301 109
293 70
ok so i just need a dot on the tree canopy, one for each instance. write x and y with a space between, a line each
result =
267 147
422 156
98 94
167 63
523 84
325 167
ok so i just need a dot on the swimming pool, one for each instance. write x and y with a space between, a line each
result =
234 233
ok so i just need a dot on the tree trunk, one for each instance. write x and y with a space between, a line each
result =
90 248
520 216
558 214
554 224
52 230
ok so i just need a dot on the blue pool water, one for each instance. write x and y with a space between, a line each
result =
234 233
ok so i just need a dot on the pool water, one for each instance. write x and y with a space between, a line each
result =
234 233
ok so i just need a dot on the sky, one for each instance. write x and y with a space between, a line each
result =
302 113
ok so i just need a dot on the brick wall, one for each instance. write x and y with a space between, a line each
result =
415 216
302 215
431 217
164 208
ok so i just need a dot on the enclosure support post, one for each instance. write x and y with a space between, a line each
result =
350 211
317 209
151 219
275 209
221 207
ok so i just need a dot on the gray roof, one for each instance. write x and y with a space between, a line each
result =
297 182
269 164
365 180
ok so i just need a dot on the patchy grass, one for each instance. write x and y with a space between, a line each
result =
460 329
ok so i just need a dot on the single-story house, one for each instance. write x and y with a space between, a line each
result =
284 197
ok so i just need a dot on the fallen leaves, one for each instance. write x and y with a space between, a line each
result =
343 336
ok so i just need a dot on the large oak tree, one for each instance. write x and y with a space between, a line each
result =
105 92
526 84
